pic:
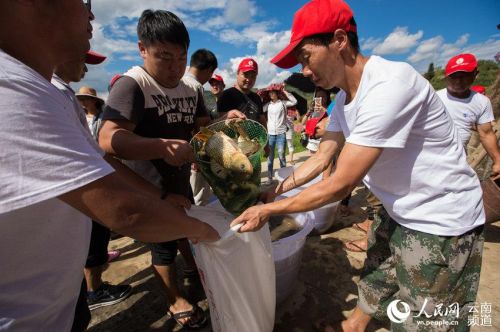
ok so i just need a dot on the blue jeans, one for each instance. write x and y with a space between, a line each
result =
274 140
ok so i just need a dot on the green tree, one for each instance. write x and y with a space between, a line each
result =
430 72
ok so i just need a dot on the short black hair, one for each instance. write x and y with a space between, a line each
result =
203 59
162 26
326 38
327 92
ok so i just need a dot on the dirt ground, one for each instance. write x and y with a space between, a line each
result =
325 286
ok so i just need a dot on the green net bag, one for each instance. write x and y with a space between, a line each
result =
234 193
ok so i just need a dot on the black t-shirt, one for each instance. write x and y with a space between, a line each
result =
157 112
249 104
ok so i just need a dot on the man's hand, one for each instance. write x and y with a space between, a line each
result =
177 152
178 201
235 114
206 234
252 219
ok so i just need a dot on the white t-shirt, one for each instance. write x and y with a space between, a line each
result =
476 109
422 176
277 115
45 151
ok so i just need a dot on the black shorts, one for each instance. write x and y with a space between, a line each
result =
163 253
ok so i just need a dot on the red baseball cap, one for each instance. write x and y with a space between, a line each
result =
216 78
94 58
248 64
479 89
462 62
317 16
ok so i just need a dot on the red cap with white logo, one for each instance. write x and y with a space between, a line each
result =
463 62
248 64
216 78
317 16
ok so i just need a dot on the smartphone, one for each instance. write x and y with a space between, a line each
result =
317 108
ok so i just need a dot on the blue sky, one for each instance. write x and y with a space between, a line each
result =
418 32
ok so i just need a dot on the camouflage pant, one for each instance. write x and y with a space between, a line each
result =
437 273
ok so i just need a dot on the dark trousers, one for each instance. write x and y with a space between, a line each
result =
82 312
98 249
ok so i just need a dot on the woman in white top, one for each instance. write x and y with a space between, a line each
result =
276 110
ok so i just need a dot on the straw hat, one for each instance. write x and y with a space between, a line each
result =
86 91
278 88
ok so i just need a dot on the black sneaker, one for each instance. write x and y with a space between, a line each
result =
107 295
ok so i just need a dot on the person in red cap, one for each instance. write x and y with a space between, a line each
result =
241 97
99 293
74 71
479 89
54 176
468 108
217 86
425 244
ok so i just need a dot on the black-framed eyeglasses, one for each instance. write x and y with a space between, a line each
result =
88 4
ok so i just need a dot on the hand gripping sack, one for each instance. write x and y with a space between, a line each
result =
237 273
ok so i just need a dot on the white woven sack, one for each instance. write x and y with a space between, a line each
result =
237 273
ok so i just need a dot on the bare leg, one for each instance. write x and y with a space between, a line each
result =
187 254
167 277
93 277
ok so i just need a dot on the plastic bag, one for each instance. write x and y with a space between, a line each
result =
237 273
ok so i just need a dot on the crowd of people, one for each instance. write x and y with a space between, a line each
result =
75 167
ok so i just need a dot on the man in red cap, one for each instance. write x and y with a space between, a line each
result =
469 109
425 244
54 177
74 71
99 293
217 86
241 97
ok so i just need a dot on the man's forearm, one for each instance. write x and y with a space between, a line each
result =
127 145
489 142
132 178
319 194
131 212
310 169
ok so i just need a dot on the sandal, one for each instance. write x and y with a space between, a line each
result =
361 228
352 246
197 316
